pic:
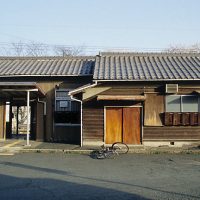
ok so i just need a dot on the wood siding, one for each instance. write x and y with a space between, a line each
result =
3 120
182 119
132 125
93 118
153 109
114 123
40 122
171 133
93 123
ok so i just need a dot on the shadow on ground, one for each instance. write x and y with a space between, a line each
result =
26 188
37 189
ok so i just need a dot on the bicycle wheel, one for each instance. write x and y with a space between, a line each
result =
120 147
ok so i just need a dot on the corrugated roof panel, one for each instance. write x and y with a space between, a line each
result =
139 68
88 66
12 67
56 67
175 67
4 66
155 71
166 67
76 68
112 68
51 67
196 63
39 67
102 70
134 68
66 66
192 70
48 66
118 68
107 68
23 69
57 70
123 67
34 66
147 69
129 68
183 67
19 67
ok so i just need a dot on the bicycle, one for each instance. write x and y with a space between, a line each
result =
117 148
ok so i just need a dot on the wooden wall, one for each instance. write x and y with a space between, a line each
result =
153 112
2 120
93 121
40 132
93 117
171 133
49 88
153 109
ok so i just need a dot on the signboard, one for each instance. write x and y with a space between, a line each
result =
64 104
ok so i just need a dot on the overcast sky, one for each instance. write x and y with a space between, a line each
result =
133 24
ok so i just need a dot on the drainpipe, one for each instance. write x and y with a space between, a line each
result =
81 117
71 96
45 114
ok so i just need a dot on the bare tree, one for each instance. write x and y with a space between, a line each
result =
36 49
68 51
18 48
195 48
39 49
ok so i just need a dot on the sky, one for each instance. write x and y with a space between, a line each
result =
139 25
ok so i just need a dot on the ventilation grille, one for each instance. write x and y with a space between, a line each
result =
171 88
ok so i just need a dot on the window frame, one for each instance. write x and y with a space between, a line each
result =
181 102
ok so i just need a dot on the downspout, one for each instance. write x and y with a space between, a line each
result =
45 114
71 96
74 99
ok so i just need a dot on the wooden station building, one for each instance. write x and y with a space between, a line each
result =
142 98
53 115
137 98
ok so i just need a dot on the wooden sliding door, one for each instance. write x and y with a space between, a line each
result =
123 124
113 125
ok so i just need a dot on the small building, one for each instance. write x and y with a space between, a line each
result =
42 84
142 98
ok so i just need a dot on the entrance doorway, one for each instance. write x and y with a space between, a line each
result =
123 124
16 121
19 121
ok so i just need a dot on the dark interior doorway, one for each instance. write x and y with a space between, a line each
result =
16 121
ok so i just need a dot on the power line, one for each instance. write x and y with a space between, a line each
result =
87 47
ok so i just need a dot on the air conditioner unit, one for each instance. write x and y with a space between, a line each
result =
171 88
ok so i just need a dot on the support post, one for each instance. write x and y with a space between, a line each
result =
28 120
17 119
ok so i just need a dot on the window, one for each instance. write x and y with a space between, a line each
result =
182 103
66 110
190 104
173 103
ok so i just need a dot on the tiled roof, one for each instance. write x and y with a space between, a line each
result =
46 66
147 66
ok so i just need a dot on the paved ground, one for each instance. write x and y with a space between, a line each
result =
74 176
14 146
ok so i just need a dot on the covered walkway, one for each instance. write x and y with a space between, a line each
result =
17 94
